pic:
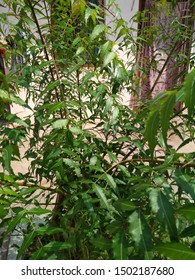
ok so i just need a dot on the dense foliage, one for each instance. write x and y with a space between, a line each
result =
104 181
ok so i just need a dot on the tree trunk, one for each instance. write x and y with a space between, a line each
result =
163 48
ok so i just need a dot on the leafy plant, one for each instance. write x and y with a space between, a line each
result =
103 182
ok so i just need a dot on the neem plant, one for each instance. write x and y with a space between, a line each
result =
115 187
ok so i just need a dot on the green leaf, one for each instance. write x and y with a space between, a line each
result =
90 13
28 239
108 58
7 156
141 234
189 89
102 243
151 129
115 114
97 31
93 160
60 123
185 183
187 211
188 232
48 230
108 106
120 246
80 50
38 211
99 191
3 212
124 205
50 87
166 110
164 211
76 130
175 251
8 191
4 96
110 180
53 246
15 221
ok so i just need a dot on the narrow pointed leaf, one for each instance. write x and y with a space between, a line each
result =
120 246
164 211
175 251
166 111
28 239
15 221
99 191
189 89
102 243
188 232
53 246
97 31
141 234
152 125
188 211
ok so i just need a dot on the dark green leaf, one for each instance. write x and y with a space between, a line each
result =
164 211
185 183
188 232
176 251
124 205
141 234
188 211
102 243
15 221
28 239
189 89
166 110
53 246
152 126
120 246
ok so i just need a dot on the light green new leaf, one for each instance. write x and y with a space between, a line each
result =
60 123
115 114
189 89
80 50
97 31
90 13
141 234
166 110
188 211
4 96
108 58
120 246
164 211
8 191
151 128
175 251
